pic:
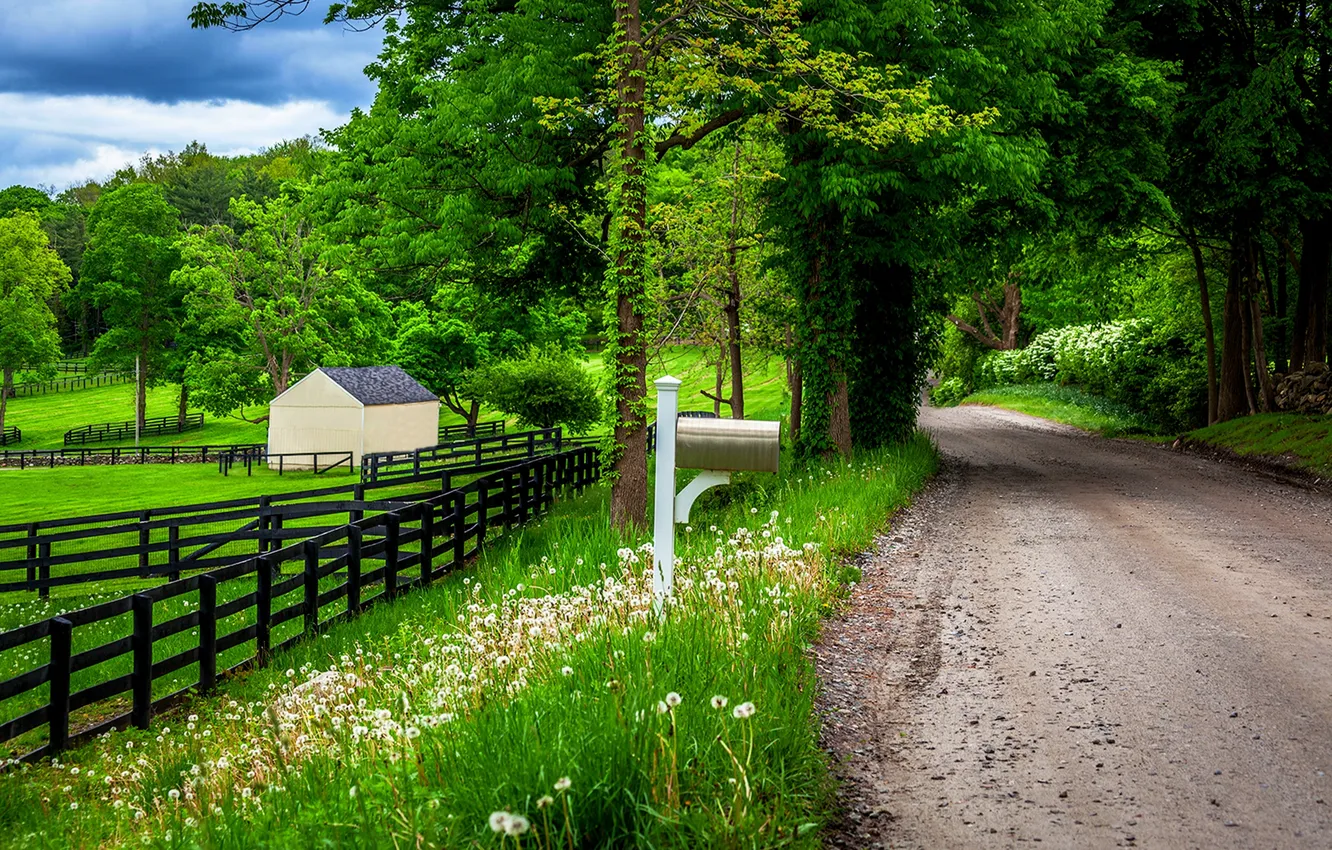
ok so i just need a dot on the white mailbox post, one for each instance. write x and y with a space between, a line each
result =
717 447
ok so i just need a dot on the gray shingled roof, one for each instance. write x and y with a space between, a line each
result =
378 384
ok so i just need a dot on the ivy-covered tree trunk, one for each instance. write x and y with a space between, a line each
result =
183 409
826 309
627 276
889 363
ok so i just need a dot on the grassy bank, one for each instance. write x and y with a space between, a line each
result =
537 694
1066 405
1296 439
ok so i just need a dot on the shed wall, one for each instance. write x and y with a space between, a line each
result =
401 427
315 415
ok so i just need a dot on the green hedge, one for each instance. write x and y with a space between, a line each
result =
1156 370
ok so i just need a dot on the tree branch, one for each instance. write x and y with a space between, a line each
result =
687 141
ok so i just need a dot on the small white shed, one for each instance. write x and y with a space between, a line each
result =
360 410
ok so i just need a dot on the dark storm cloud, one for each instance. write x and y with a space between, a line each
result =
87 86
147 50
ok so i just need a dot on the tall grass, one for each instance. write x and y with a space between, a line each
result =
1067 405
538 693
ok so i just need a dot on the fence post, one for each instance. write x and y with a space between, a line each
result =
392 524
427 542
264 521
358 494
482 506
207 632
508 501
539 484
353 569
145 535
531 444
311 587
275 525
32 556
459 529
263 604
62 634
44 570
142 644
173 553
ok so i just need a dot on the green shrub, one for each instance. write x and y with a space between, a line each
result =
543 389
1155 370
949 392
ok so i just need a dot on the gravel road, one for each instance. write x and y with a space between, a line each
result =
1076 642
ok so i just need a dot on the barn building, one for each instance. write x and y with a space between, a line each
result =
361 410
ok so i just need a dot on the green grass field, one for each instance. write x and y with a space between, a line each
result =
1066 405
1299 439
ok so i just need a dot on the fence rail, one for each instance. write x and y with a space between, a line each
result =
185 634
32 388
24 458
260 455
447 456
459 432
10 435
153 427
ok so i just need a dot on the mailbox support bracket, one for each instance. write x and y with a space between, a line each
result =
706 479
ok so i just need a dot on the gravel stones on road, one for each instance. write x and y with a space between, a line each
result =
1073 642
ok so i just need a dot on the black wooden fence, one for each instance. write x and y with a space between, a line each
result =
378 465
320 462
459 432
152 427
256 609
32 388
160 543
51 458
10 435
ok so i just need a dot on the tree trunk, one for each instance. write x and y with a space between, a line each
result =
733 344
473 414
797 390
1233 390
629 470
732 310
1209 332
184 406
1309 334
141 391
4 396
719 378
839 423
1008 315
1267 392
1281 344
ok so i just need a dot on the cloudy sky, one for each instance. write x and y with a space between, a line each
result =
89 85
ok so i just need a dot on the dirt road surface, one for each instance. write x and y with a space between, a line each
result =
1076 642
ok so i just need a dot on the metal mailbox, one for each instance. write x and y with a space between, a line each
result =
717 447
727 444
